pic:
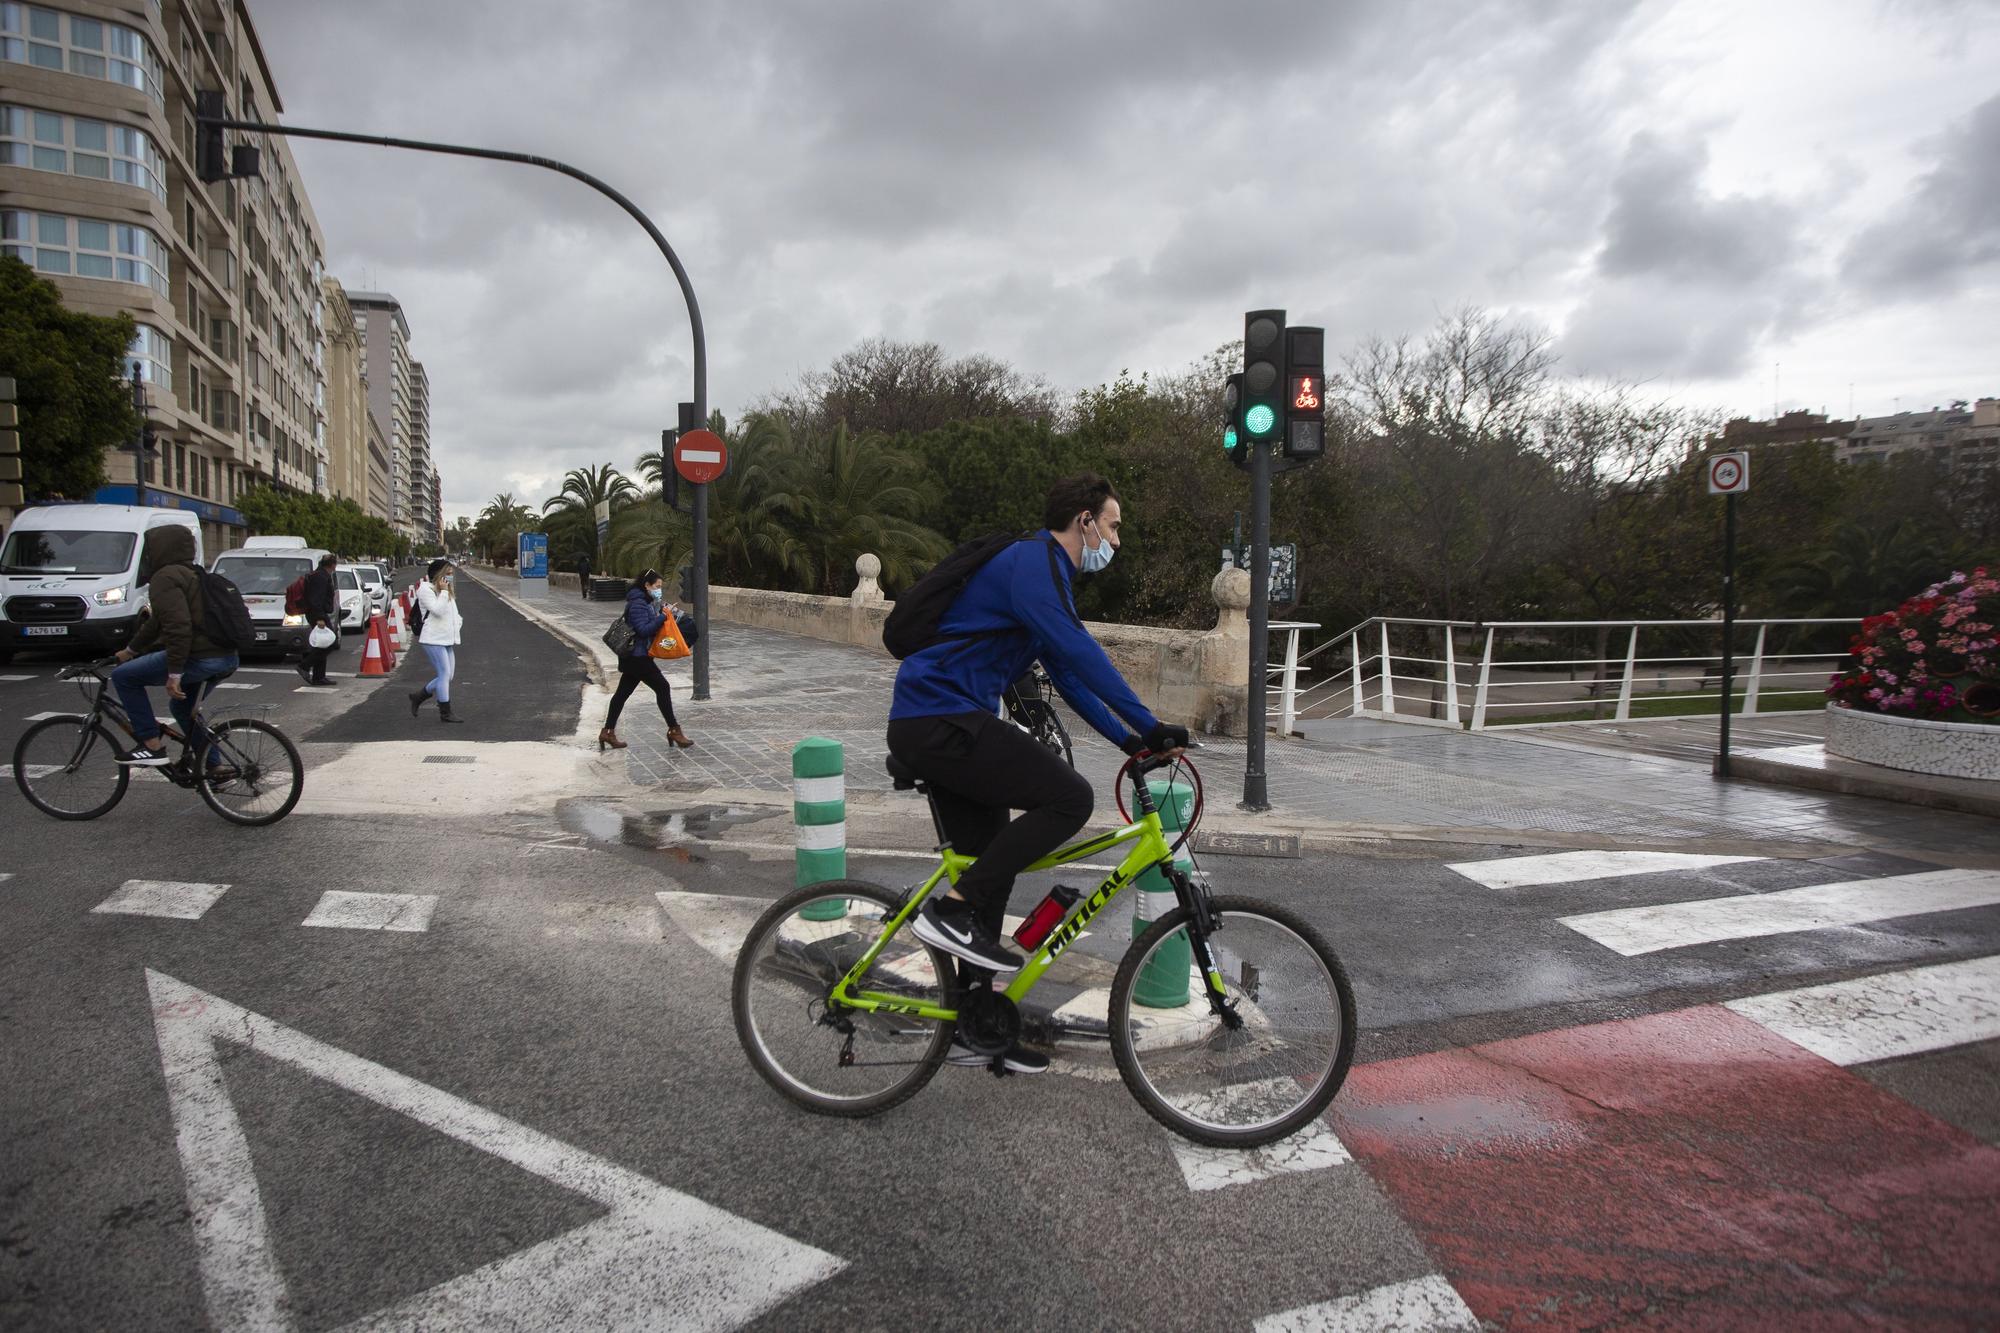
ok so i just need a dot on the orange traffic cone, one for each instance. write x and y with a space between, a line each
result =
399 636
379 628
371 657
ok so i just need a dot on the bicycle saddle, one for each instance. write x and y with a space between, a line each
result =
903 775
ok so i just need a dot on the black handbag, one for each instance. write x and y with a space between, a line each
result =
689 630
620 637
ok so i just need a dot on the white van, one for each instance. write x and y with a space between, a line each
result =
262 568
69 575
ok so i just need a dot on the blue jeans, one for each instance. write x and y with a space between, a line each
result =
444 661
132 678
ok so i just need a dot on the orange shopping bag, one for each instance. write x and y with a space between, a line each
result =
668 643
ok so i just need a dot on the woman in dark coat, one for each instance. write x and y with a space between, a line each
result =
646 612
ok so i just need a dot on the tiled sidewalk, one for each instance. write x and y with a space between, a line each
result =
771 689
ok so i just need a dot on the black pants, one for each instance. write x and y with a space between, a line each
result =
584 579
981 769
632 673
315 658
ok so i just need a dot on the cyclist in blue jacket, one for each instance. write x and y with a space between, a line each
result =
1018 607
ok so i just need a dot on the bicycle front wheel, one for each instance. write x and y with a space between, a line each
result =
1250 1080
843 1062
259 777
69 769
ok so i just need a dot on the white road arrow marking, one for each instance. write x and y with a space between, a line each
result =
659 1259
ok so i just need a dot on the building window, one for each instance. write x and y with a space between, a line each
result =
31 35
86 247
152 356
78 146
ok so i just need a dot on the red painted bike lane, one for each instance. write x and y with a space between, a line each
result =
1682 1170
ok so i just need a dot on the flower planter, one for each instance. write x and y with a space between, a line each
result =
1944 749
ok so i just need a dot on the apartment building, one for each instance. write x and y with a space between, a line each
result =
399 396
379 493
347 424
1963 436
423 467
98 194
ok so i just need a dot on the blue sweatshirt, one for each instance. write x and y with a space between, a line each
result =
1021 607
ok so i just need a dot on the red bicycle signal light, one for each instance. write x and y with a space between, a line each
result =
1306 393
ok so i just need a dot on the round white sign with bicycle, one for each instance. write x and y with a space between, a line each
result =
1728 474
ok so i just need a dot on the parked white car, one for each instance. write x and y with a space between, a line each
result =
353 599
375 583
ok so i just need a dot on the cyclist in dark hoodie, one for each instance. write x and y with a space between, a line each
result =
186 661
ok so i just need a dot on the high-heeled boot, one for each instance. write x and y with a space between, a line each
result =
608 737
679 737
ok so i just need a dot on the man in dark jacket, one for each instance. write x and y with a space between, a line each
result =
186 660
583 573
322 608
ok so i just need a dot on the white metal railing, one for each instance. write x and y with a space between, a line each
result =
1375 670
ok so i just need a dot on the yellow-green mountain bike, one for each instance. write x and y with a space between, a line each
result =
846 1012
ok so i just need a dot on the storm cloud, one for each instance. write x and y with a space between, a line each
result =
1080 189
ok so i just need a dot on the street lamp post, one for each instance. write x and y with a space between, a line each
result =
206 123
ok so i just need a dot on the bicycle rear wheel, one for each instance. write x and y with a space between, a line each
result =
1039 715
262 774
69 769
1267 1076
788 965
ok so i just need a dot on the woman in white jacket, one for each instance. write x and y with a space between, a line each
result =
439 638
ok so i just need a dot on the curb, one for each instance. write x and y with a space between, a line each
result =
1848 781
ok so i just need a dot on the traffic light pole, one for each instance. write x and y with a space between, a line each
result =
673 261
1255 791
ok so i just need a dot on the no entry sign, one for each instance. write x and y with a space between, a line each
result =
700 456
1728 474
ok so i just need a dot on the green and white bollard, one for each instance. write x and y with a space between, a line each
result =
819 813
1163 982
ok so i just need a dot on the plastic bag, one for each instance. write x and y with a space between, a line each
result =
321 637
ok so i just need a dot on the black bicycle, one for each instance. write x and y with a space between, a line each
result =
1030 704
68 766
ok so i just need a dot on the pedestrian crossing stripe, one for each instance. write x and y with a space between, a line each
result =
1421 1305
1520 872
1639 930
1886 1015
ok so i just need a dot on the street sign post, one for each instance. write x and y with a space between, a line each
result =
1284 589
700 456
1728 477
602 513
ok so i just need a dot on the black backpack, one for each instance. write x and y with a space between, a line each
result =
416 617
224 617
913 625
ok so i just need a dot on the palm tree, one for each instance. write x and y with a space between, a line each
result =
500 524
585 488
653 465
855 494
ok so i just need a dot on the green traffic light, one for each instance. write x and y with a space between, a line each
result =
1229 438
1260 419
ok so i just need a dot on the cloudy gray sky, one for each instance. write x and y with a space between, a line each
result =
1707 196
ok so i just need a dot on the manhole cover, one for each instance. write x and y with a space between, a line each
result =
1249 844
448 758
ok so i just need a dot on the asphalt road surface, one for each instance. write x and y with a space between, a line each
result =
477 1069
